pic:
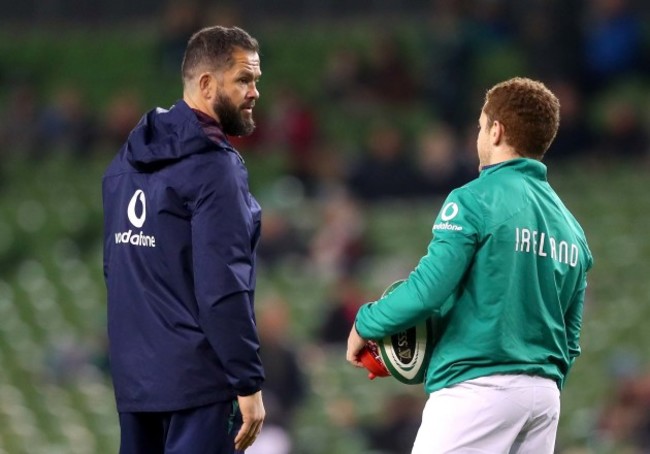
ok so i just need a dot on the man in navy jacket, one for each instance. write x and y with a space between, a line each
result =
181 230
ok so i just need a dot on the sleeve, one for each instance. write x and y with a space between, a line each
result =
573 323
456 236
222 229
573 318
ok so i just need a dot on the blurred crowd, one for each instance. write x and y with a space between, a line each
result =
623 422
594 55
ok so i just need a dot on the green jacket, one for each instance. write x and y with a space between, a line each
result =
505 273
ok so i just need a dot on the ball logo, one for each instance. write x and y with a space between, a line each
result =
406 354
137 221
449 211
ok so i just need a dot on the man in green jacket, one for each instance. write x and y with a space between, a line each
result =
505 274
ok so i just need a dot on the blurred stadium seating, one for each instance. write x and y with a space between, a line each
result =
55 395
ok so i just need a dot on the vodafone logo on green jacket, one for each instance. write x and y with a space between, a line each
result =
448 212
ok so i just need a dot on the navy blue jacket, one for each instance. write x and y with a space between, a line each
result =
180 233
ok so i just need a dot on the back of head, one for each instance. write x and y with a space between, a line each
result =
529 112
211 48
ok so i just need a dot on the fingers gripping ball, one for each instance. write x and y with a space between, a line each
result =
404 355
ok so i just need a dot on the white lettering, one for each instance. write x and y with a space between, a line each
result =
139 239
574 255
562 251
446 226
553 249
541 252
525 240
517 239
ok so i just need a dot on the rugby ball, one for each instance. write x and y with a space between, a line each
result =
406 354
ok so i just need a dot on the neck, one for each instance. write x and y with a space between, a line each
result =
196 103
499 155
502 154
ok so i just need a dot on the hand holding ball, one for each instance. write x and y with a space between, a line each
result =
404 355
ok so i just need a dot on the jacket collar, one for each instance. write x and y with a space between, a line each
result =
211 128
527 166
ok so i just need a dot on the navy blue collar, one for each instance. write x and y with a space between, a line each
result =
212 128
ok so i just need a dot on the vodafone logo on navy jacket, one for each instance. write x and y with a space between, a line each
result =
180 233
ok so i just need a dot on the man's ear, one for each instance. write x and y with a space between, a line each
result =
207 85
497 132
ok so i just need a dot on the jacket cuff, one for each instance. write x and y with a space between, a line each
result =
243 392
